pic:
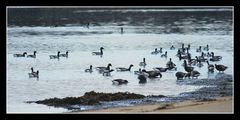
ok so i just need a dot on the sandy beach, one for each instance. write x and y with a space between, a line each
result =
220 105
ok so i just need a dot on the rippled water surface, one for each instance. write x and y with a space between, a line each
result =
66 76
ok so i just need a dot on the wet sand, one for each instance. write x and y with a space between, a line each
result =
220 105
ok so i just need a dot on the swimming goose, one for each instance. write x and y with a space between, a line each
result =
107 72
143 63
210 67
172 48
98 53
34 74
209 55
206 48
138 72
199 49
124 69
155 51
55 56
101 69
64 55
195 74
119 81
33 56
89 70
187 68
20 55
142 78
170 64
215 58
152 73
221 67
161 69
164 55
160 50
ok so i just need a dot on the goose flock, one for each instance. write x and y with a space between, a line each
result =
182 53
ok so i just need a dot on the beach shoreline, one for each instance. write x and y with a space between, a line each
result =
222 105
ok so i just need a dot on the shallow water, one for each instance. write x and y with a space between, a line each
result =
66 76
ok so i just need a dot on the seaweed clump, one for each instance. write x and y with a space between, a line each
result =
89 98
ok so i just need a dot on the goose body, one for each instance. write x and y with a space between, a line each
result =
215 58
107 72
32 56
89 70
55 56
195 74
161 69
206 48
199 49
164 55
119 81
101 69
64 55
187 68
124 69
34 74
220 68
170 64
210 67
180 75
20 55
155 51
143 63
153 73
172 48
98 53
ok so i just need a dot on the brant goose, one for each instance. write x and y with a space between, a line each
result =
210 67
55 56
172 48
160 50
33 56
119 81
101 69
181 75
199 49
215 58
161 69
206 48
195 74
20 55
170 64
89 70
143 63
107 72
64 55
155 51
221 67
98 53
138 72
124 69
33 74
164 55
187 68
153 73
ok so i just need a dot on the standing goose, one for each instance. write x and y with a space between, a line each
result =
64 55
221 68
98 53
89 70
210 67
187 68
124 69
20 55
55 56
164 55
33 56
143 63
